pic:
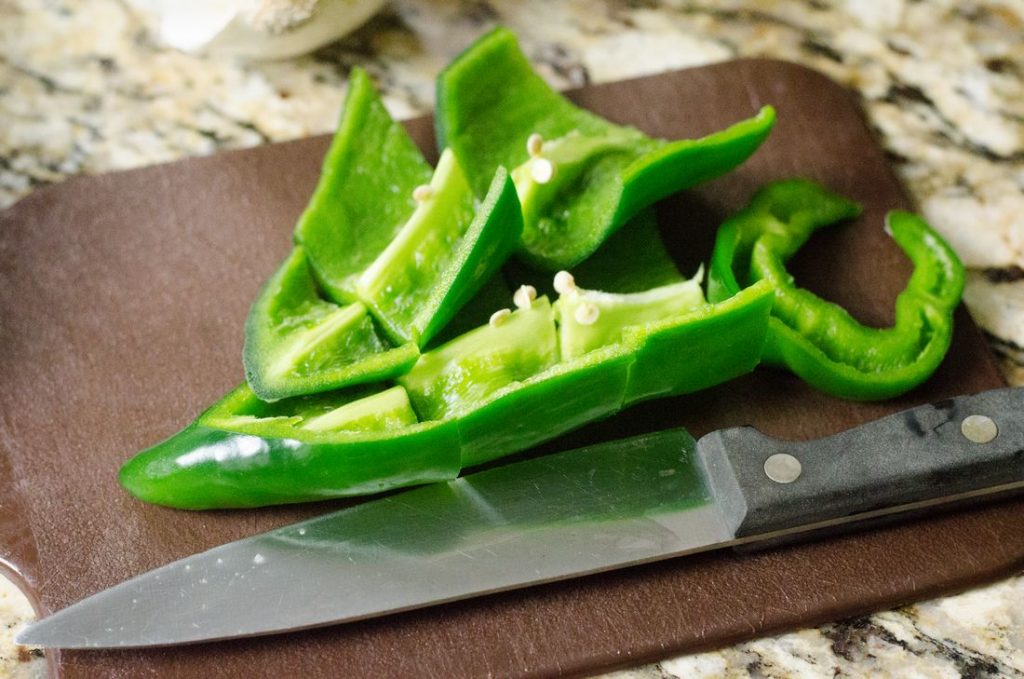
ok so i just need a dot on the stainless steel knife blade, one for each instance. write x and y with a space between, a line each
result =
608 506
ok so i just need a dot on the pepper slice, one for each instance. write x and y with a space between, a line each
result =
581 177
818 340
364 245
590 319
467 370
639 243
297 342
364 196
387 410
443 254
243 452
677 355
368 407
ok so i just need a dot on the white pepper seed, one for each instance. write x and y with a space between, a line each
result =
524 296
587 313
499 317
542 170
422 193
534 145
565 284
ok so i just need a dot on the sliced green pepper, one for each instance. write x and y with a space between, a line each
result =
494 390
366 244
297 342
677 355
589 319
639 243
384 411
710 345
365 408
471 367
818 340
244 452
365 193
443 254
579 177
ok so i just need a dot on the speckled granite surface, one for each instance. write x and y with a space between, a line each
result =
84 89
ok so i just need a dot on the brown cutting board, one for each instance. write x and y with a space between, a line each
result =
122 299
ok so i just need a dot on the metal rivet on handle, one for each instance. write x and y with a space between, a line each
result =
979 428
782 468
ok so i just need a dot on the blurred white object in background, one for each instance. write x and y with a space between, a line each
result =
255 29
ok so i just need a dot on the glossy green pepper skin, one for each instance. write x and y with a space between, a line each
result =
375 272
207 466
359 249
818 340
587 176
243 452
246 452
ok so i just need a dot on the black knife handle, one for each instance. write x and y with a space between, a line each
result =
915 456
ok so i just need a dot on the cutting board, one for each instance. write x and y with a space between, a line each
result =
122 299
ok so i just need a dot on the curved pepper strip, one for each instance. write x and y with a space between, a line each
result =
594 176
818 340
244 453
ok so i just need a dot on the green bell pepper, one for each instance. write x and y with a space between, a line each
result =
376 272
296 342
237 455
818 340
588 319
365 193
243 452
578 176
449 247
468 369
639 243
495 390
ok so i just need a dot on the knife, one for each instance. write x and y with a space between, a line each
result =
565 515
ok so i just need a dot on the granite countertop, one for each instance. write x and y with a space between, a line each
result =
85 89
